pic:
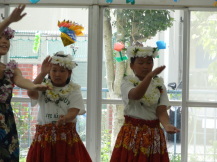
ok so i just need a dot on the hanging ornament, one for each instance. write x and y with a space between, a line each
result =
215 3
175 0
130 1
161 45
36 43
119 46
109 1
70 31
34 1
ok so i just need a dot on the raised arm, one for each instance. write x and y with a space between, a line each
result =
138 92
45 69
15 16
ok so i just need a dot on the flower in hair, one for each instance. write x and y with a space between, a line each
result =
9 32
136 51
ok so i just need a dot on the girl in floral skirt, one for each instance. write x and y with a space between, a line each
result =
56 139
10 75
141 139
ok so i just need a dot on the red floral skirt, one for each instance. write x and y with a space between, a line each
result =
57 144
140 141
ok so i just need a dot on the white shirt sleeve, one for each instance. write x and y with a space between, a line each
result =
126 86
76 101
164 100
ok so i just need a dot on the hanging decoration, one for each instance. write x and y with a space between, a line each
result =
215 3
119 46
34 1
160 45
130 1
175 0
109 1
36 43
70 31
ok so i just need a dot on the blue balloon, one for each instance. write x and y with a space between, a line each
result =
161 45
34 1
109 1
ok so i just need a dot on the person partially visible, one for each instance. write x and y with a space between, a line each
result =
141 138
10 75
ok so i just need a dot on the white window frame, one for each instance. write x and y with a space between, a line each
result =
94 86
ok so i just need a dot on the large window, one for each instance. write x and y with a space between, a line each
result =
197 105
202 137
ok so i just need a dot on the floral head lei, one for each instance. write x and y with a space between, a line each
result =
63 60
136 51
8 32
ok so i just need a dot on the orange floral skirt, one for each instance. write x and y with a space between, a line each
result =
57 144
140 141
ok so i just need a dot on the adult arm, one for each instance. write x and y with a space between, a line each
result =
15 16
45 68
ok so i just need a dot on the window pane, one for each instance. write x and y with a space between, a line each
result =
202 134
29 61
110 127
203 60
116 30
26 119
50 42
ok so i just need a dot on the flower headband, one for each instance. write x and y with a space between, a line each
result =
63 60
9 32
69 31
136 51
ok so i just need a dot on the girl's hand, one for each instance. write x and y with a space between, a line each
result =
46 65
171 129
61 121
158 70
16 14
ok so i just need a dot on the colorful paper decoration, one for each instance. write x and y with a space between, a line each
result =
161 45
37 41
215 3
70 31
34 1
130 1
119 46
109 1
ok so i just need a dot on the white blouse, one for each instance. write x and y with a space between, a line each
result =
140 109
49 112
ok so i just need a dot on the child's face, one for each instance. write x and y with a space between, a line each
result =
59 75
4 45
142 66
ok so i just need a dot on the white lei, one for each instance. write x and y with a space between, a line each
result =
153 92
55 95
